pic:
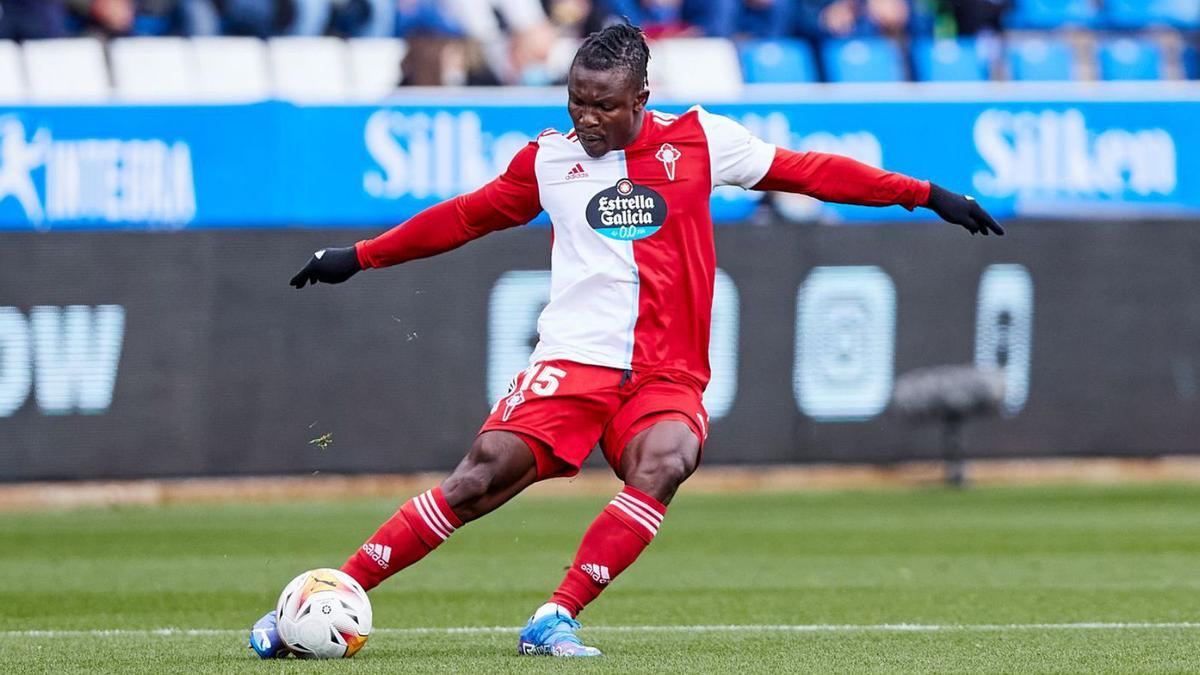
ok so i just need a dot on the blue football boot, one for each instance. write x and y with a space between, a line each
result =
554 635
264 638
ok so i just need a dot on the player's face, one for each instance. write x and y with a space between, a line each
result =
606 107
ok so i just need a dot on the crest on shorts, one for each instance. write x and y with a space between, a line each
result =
511 403
668 155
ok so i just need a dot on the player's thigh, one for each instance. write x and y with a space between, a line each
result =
560 408
636 426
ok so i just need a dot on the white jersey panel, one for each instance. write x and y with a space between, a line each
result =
593 279
738 156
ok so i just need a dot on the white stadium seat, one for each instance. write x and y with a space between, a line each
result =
70 70
309 69
230 69
700 68
12 81
153 70
375 66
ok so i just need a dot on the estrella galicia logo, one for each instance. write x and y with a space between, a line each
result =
627 211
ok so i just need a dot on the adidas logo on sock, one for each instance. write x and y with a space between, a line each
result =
599 573
379 553
576 171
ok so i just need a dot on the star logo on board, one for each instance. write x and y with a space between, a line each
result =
668 155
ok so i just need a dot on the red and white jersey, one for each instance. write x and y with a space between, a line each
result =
632 263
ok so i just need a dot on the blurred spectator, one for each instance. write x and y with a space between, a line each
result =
976 16
848 18
264 18
518 57
32 19
110 17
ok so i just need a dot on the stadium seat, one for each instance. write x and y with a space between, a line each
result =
1142 13
1040 59
696 67
1191 63
12 82
862 60
1050 14
68 70
375 66
230 69
309 69
948 61
153 69
778 61
1130 59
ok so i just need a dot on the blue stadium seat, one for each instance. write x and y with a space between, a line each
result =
1140 13
862 60
1047 14
1130 59
777 61
1191 63
948 61
1040 59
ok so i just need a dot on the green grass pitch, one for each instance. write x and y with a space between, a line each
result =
984 579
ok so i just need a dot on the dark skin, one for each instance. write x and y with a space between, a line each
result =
607 108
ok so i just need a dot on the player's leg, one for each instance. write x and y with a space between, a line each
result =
653 443
653 465
499 465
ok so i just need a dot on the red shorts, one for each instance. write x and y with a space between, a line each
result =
566 408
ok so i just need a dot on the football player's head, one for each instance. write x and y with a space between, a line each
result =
607 88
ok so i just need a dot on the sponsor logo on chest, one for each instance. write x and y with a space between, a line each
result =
627 211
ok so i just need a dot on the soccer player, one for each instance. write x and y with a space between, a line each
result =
623 353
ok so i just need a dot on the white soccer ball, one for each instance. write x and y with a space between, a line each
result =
324 614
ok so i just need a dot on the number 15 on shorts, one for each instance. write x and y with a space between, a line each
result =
540 379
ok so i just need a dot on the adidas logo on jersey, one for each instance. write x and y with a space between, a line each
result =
576 171
599 573
379 553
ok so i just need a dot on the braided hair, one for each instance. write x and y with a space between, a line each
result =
620 45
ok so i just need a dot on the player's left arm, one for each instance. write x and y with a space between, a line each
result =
741 158
834 178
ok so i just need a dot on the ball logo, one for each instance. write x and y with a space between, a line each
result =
627 211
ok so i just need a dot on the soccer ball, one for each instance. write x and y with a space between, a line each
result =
324 614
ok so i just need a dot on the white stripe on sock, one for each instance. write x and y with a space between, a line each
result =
428 520
437 512
645 523
641 506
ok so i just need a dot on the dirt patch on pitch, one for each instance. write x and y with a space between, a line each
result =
710 479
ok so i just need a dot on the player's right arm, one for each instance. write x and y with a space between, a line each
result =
509 200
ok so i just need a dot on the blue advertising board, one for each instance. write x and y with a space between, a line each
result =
1072 152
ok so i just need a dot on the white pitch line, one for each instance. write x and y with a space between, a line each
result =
718 628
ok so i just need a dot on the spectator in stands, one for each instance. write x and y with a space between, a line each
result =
264 18
110 17
518 56
32 19
978 16
848 18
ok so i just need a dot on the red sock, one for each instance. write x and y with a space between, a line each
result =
615 539
424 522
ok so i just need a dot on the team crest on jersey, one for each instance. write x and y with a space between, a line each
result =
668 155
627 211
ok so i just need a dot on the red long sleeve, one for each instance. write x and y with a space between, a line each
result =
834 178
509 200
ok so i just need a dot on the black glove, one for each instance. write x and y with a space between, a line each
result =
329 265
961 210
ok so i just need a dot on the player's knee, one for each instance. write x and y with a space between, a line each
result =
473 477
662 462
